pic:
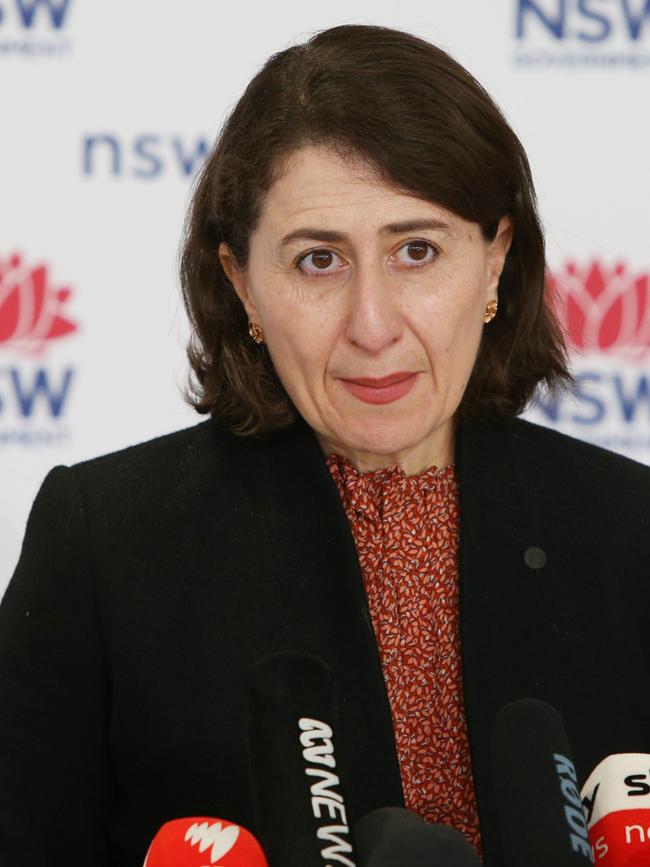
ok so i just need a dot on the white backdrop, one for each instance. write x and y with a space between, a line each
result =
107 110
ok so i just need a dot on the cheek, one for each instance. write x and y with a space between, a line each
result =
448 322
301 340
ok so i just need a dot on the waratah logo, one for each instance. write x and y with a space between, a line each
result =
604 309
31 307
215 837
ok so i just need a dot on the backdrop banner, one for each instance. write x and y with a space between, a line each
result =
108 111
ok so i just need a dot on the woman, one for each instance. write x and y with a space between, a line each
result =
363 271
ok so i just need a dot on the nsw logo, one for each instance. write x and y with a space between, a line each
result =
146 156
34 318
34 28
32 308
605 310
579 33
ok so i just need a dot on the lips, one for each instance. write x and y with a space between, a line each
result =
378 390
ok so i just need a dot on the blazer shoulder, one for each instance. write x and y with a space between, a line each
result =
183 472
157 450
576 457
552 468
582 478
169 471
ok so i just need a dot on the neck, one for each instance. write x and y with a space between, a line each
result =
412 459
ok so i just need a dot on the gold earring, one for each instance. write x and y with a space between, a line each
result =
256 332
490 311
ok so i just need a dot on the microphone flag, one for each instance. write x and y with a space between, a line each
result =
616 799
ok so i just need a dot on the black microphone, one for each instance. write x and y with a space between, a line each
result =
299 798
542 820
392 836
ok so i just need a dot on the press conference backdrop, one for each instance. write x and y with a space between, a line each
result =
109 108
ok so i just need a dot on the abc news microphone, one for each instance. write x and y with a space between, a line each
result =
299 794
616 798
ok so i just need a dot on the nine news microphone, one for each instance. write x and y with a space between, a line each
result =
202 842
542 821
394 836
616 798
300 803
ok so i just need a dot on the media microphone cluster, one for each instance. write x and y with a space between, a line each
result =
303 820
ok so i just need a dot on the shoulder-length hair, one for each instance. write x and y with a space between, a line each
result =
431 130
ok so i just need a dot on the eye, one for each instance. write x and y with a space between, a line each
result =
416 253
319 262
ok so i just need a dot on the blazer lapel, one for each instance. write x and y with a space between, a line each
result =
322 609
498 648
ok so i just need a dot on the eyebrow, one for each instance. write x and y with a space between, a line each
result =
330 235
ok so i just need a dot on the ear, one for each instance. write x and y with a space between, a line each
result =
239 279
496 258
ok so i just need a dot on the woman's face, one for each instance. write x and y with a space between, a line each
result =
372 303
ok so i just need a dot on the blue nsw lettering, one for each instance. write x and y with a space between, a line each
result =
147 156
25 393
27 12
597 395
585 20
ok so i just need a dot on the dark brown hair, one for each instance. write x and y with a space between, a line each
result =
430 129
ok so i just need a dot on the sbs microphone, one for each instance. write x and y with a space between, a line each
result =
616 798
393 836
203 842
542 821
300 803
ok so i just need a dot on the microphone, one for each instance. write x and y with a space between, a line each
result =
393 835
203 842
299 797
616 798
542 821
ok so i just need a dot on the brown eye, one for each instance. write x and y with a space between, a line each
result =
417 250
322 259
416 254
319 263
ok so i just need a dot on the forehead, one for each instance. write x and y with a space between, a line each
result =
320 187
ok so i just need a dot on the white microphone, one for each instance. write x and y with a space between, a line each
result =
616 800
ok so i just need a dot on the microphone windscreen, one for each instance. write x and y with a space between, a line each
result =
199 842
394 836
616 798
542 821
299 797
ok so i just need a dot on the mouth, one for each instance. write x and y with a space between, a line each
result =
385 389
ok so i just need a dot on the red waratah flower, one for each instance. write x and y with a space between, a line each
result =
603 308
30 307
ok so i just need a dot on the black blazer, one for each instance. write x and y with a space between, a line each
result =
151 579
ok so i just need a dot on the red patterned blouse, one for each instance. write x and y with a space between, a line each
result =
406 533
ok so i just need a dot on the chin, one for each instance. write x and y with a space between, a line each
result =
391 438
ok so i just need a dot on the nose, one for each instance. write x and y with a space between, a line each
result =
374 321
